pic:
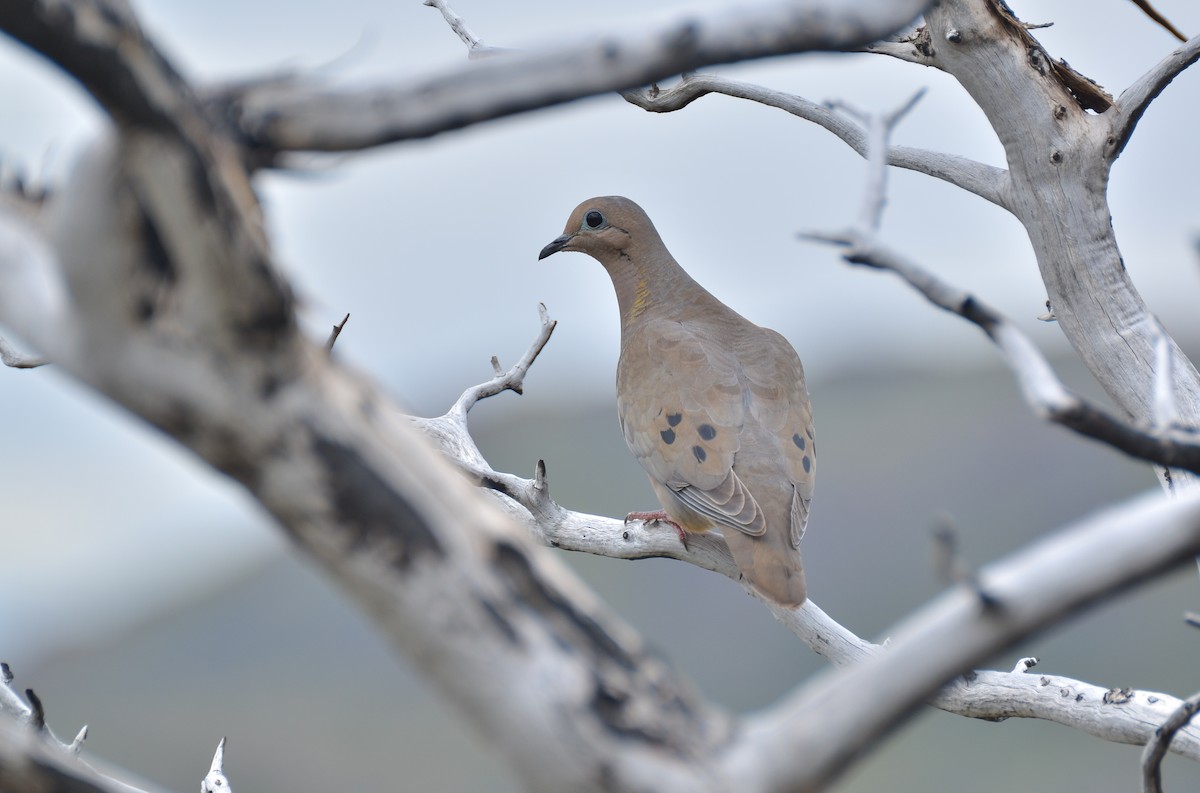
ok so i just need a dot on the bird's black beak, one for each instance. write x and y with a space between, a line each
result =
554 247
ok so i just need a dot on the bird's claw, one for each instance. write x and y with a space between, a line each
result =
660 516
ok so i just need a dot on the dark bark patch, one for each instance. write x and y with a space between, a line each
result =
502 623
154 251
532 592
371 509
610 705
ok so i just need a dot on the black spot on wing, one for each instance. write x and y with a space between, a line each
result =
707 431
807 463
701 455
674 418
799 441
668 436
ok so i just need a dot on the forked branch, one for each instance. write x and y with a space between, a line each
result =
1127 110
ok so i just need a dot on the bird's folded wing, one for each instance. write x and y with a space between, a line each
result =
681 405
779 406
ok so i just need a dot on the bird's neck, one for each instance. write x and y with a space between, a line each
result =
650 287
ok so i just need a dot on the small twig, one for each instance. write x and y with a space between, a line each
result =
30 713
215 780
457 24
1160 742
952 567
948 563
1041 388
985 181
879 131
1159 18
37 711
1192 618
77 743
1127 110
10 357
1025 664
333 334
975 177
514 378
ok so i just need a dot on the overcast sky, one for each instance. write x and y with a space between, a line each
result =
432 245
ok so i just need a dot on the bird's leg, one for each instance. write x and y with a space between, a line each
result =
660 516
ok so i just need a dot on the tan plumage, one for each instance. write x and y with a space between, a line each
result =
712 406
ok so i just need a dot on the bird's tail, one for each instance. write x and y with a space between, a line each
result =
770 564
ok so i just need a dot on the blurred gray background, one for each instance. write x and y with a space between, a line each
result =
151 599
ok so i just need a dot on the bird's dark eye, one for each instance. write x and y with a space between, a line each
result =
593 219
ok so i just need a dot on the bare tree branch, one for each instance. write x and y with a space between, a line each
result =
276 118
167 301
879 131
475 46
985 181
10 357
914 47
512 380
29 765
1127 110
1058 173
835 719
1150 11
333 334
215 780
1040 386
1156 747
31 755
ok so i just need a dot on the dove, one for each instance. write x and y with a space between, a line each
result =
713 407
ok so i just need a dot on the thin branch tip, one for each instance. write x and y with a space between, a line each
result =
337 331
1160 742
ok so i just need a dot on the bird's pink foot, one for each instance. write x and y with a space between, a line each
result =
660 516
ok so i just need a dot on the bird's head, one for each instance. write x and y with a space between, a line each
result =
603 228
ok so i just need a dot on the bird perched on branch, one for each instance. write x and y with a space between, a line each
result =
713 406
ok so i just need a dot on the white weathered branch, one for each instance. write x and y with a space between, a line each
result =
32 757
879 131
1058 158
475 46
15 359
985 181
913 47
29 765
1125 113
215 780
835 718
326 120
1041 388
